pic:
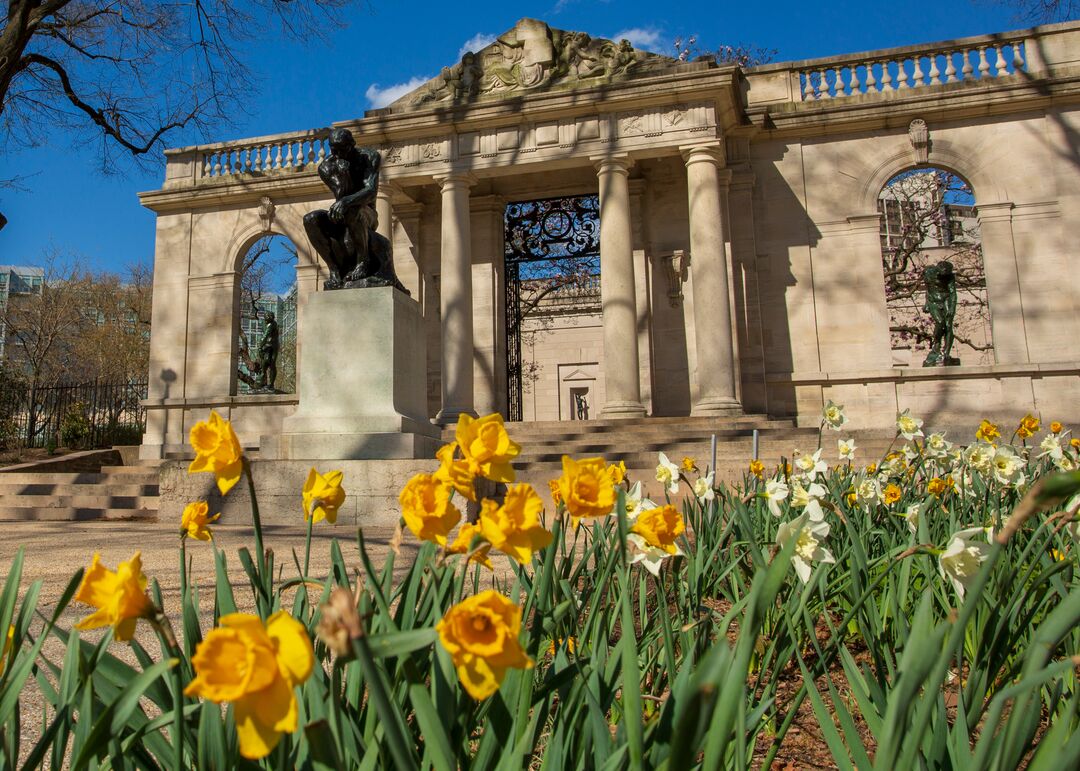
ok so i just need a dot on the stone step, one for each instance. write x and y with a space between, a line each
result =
55 513
48 488
103 499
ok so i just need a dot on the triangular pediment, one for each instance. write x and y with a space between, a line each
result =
533 57
577 374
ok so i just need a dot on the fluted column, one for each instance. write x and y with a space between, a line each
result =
455 291
712 304
622 377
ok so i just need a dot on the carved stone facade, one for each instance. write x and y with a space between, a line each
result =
739 233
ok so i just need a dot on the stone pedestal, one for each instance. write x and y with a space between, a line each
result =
363 381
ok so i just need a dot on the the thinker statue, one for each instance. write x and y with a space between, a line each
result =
344 236
269 347
941 305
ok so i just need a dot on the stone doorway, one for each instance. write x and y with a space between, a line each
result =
552 260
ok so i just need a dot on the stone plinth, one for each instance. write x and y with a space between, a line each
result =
362 380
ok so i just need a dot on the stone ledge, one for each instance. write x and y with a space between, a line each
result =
239 400
910 374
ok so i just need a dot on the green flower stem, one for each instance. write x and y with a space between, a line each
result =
307 543
256 522
389 715
163 626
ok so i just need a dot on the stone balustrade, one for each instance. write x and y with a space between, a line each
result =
961 61
263 155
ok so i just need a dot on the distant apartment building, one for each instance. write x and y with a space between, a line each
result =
16 280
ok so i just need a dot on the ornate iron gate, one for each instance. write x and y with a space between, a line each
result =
552 247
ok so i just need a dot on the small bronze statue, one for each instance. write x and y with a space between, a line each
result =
941 305
268 353
345 235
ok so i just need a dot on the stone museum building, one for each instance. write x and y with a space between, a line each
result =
597 232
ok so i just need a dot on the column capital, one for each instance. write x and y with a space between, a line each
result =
710 152
452 179
1000 211
612 164
388 189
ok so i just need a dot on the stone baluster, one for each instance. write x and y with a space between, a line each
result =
967 71
622 374
853 86
886 76
934 76
456 298
823 88
311 149
805 86
901 75
288 155
871 81
217 164
917 77
1018 57
1000 68
984 65
950 67
713 331
322 149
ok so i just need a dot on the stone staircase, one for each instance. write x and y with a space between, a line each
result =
109 492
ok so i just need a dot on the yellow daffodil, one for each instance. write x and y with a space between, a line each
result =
463 542
587 487
218 450
426 507
487 447
1029 426
1056 427
481 636
689 465
323 496
660 527
1075 443
255 667
987 432
1055 554
514 528
5 649
195 521
456 472
618 472
871 469
556 493
936 486
891 494
568 642
757 468
120 597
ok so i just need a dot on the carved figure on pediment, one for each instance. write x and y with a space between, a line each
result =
507 68
344 235
461 81
618 58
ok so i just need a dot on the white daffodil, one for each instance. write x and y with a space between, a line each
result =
868 491
648 555
1065 463
809 498
1051 446
634 501
962 557
911 514
703 488
907 426
980 456
667 474
775 491
833 415
811 465
937 446
845 449
808 537
1008 466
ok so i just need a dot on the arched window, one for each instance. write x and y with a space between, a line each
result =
929 215
267 288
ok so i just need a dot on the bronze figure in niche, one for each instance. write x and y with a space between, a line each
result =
941 305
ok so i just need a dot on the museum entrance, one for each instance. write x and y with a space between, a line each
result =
552 259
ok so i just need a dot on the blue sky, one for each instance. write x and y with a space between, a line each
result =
69 206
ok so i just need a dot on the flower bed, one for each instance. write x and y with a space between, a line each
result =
922 608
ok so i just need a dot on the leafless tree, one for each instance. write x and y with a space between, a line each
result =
742 54
923 223
129 73
258 269
1041 11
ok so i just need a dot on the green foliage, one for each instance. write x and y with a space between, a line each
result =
75 427
704 666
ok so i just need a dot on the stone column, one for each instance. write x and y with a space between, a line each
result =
384 208
713 333
622 376
455 292
1003 283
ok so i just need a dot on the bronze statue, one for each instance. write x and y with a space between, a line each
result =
345 235
941 305
268 353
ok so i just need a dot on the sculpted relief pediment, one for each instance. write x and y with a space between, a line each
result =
533 57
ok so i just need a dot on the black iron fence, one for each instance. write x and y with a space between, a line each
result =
75 415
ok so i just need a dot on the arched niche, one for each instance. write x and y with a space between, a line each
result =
266 267
929 215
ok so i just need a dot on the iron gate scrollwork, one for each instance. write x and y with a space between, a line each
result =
552 246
